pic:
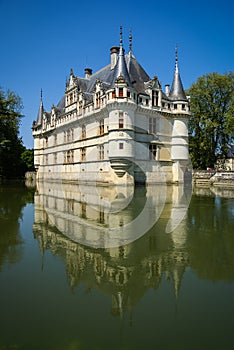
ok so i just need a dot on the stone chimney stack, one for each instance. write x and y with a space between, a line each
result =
88 73
114 52
167 89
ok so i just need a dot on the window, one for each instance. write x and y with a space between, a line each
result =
68 135
121 145
183 106
147 102
46 159
55 158
83 132
69 156
98 99
83 154
46 141
128 94
80 107
121 120
120 92
175 106
154 98
83 210
152 151
101 127
101 152
101 219
113 94
152 125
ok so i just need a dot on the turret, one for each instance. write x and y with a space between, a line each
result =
40 112
179 149
121 66
177 91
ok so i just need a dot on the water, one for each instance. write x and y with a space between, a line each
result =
171 288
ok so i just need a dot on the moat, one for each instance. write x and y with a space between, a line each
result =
70 279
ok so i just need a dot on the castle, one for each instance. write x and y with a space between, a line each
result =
114 126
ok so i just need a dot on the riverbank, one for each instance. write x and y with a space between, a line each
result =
201 178
213 178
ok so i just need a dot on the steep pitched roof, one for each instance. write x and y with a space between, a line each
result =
177 90
137 74
40 111
134 74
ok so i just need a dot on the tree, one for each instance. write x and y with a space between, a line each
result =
211 125
11 145
28 159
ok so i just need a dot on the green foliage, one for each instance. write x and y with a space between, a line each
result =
28 159
211 125
11 145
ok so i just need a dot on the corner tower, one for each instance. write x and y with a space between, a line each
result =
179 143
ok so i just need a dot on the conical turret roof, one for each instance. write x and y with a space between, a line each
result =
177 90
40 111
120 69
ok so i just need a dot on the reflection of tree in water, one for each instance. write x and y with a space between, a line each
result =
203 241
13 197
211 237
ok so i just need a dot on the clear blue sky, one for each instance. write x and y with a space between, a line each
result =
42 40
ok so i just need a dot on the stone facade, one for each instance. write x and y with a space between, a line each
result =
114 126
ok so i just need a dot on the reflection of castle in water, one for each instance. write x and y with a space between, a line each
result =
67 217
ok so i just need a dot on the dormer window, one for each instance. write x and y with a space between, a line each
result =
98 99
155 98
101 127
121 92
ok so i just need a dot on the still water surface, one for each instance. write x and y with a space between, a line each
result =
169 289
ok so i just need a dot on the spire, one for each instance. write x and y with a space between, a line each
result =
40 111
177 90
130 43
121 67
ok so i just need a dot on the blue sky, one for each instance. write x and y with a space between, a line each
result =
42 40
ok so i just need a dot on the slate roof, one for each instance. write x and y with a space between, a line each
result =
127 66
134 74
177 90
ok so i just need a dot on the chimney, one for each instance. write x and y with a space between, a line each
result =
167 89
114 51
88 73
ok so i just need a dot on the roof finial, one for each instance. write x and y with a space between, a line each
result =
177 90
41 94
176 57
121 37
130 41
